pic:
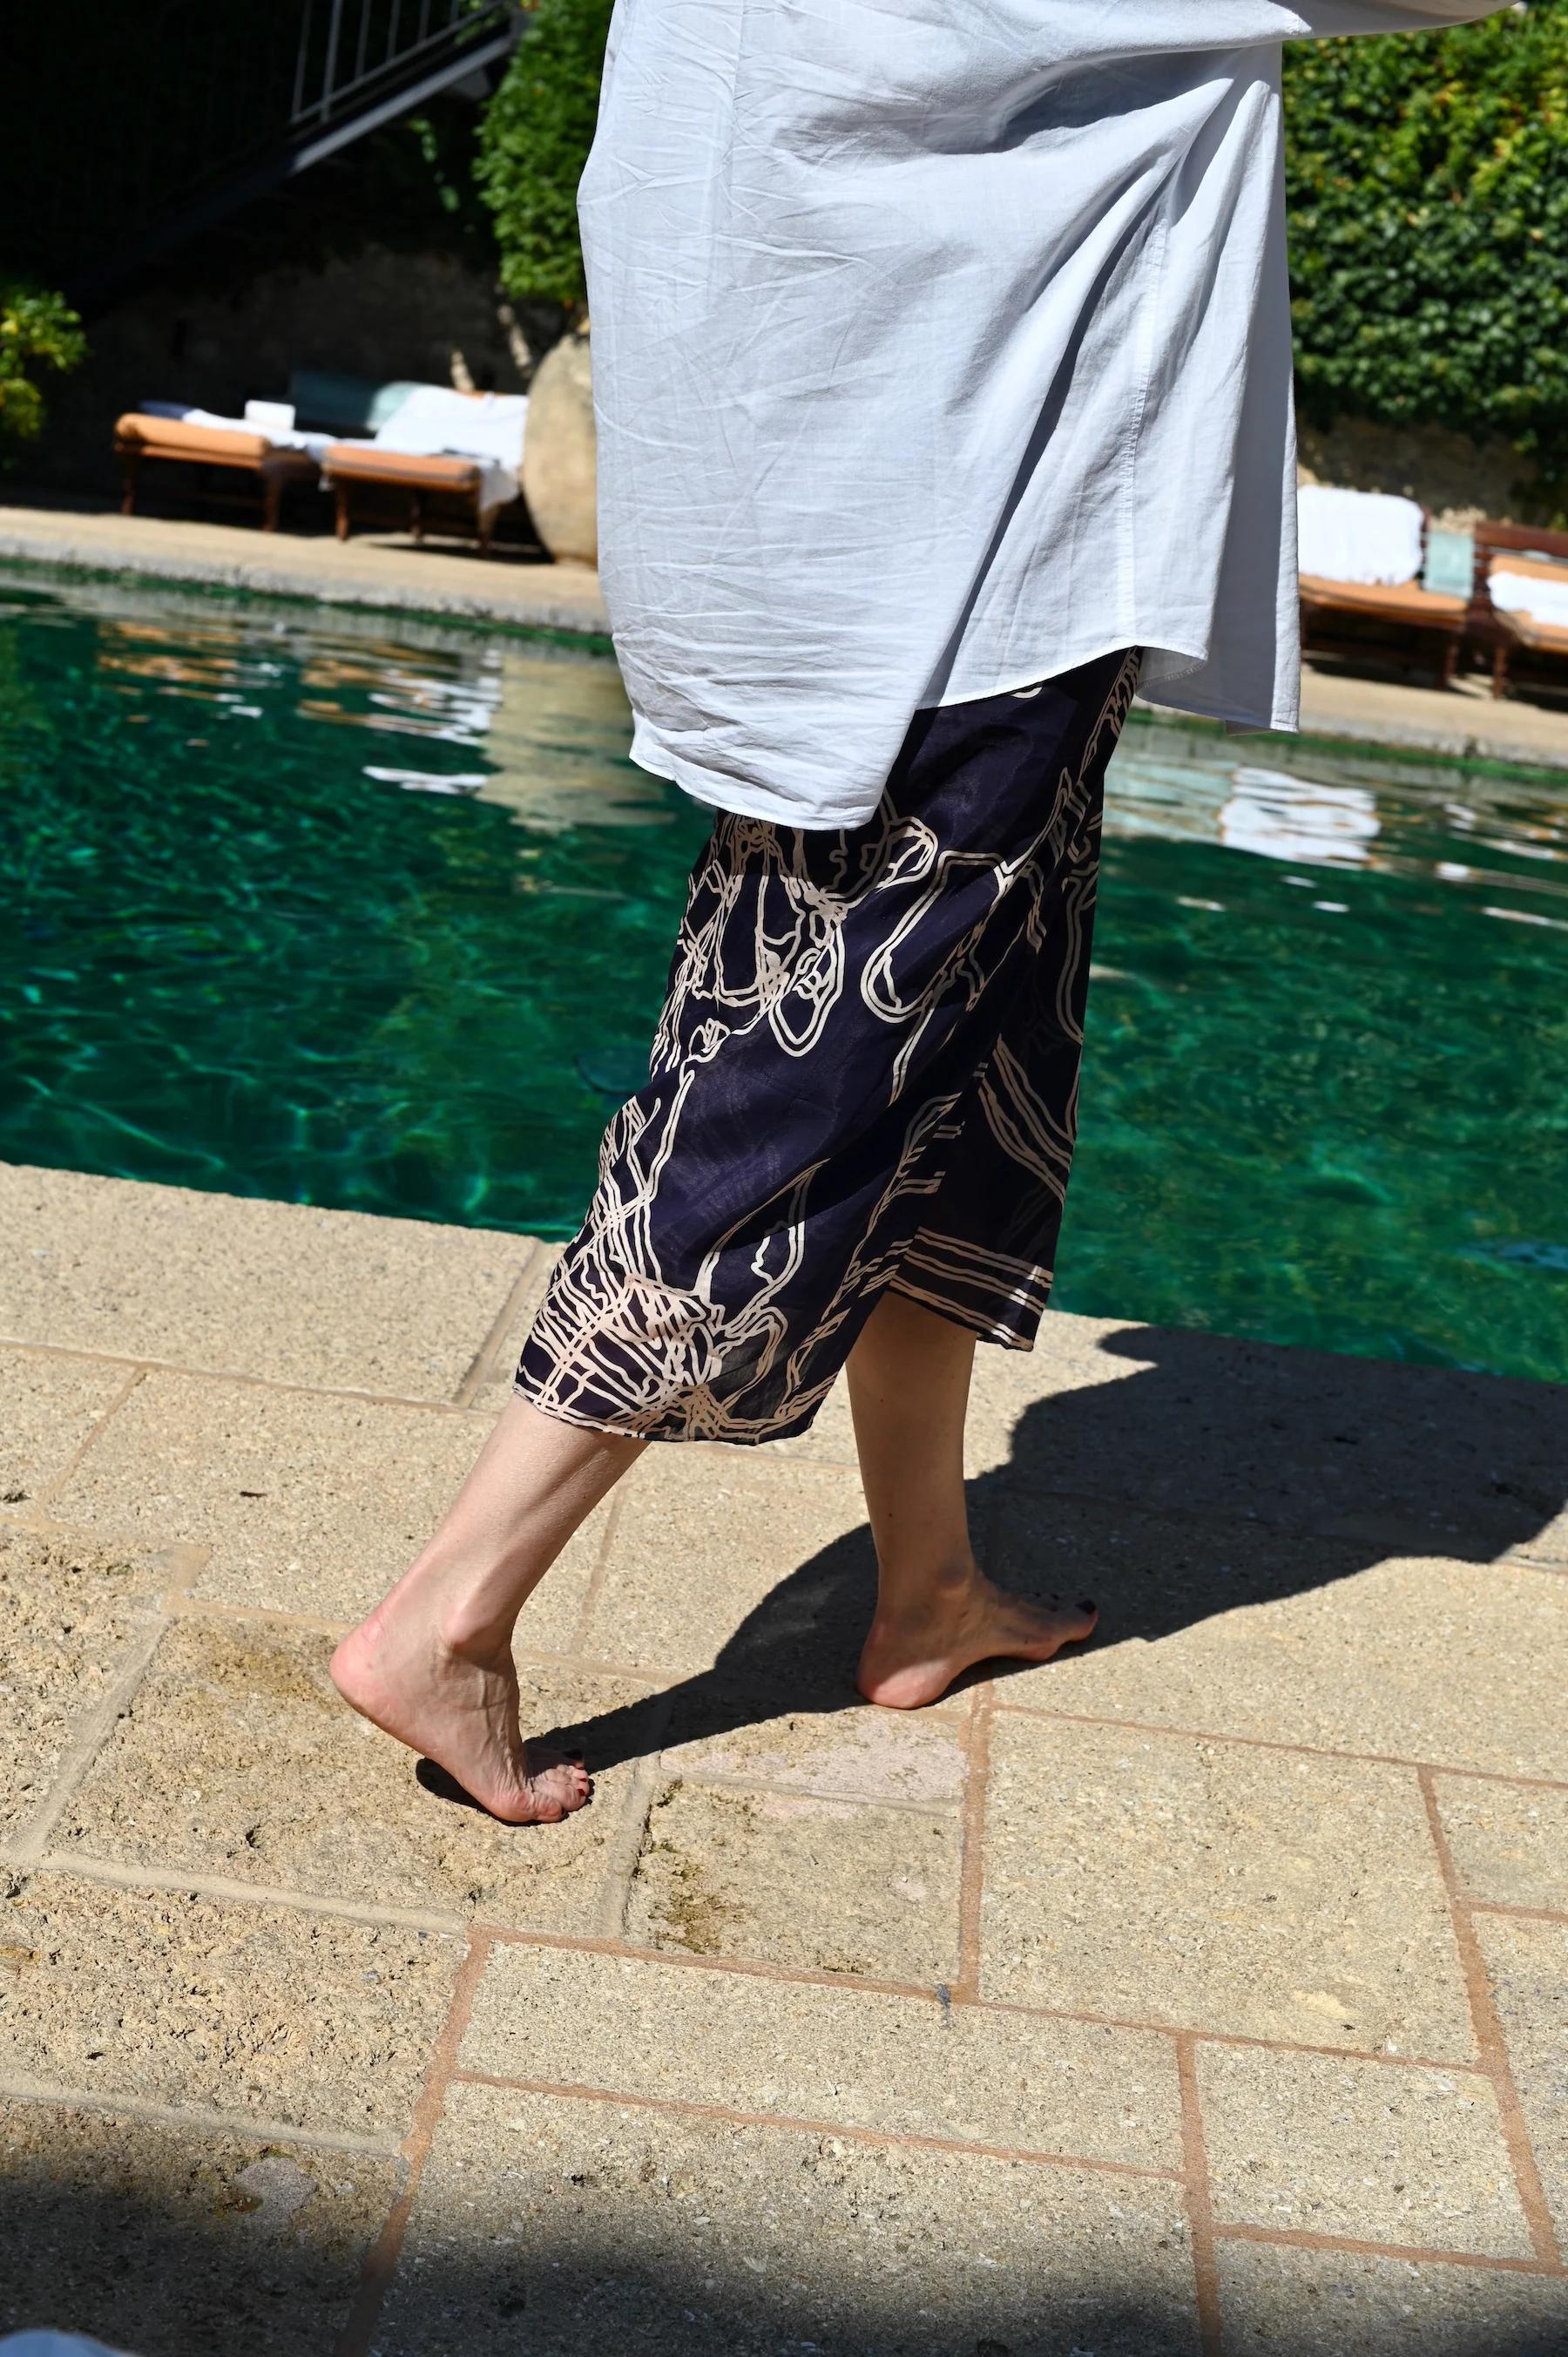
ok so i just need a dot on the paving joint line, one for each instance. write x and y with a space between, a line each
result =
1301 2239
151 1366
248 2127
931 1993
1520 1914
945 1812
41 1499
1491 2045
358 2335
120 1875
1274 1743
480 1365
789 2123
630 1837
1200 2200
622 1951
85 1745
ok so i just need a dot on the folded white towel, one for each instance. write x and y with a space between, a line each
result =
1367 536
1522 593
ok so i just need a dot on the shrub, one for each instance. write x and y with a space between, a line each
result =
1427 182
38 331
535 141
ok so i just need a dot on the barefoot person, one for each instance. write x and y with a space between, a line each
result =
942 365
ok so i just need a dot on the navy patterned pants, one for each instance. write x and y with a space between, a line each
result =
865 1077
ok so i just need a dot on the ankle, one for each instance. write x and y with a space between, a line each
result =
925 1591
468 1632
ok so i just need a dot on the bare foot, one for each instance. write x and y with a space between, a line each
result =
460 1709
909 1662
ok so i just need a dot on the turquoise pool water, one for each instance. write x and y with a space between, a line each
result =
375 914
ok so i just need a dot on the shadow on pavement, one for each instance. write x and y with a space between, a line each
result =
189 2263
1281 1471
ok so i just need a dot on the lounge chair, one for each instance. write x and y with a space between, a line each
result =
195 438
1520 608
464 448
1361 558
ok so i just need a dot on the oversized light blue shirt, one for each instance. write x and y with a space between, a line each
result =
940 346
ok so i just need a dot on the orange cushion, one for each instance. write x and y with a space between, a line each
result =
365 462
1402 601
171 437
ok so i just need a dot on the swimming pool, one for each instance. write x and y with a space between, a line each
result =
375 912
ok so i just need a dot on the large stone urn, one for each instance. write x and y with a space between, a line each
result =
560 474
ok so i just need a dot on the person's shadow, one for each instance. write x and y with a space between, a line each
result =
1216 1474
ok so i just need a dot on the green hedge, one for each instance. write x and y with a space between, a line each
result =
1428 190
534 142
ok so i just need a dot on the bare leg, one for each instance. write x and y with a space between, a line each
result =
937 1614
433 1663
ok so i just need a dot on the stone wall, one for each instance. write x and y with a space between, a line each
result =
375 314
1459 479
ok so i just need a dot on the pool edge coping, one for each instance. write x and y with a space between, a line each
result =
562 624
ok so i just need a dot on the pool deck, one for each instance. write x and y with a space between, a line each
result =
1203 1992
386 570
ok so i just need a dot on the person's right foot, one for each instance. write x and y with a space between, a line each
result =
458 1709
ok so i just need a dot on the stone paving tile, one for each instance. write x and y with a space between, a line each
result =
1424 1459
793 1879
1247 1631
1155 1878
1508 1842
338 1298
1528 1964
171 2243
238 1759
1013 1394
1278 2302
68 1615
611 2228
309 1504
717 1557
48 1408
855 1754
810 2052
494 1387
1366 2149
177 2000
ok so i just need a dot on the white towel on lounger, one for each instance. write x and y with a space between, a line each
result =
1365 536
436 422
1545 602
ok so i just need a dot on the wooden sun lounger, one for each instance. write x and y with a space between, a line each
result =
1507 547
1436 622
137 437
347 464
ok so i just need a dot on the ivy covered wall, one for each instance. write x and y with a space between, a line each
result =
1428 190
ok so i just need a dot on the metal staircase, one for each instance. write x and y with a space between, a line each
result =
125 129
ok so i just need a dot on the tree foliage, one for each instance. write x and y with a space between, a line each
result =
534 143
1428 189
38 332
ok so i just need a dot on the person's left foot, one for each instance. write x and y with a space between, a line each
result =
907 1663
